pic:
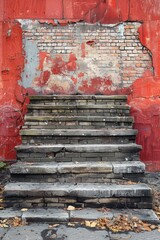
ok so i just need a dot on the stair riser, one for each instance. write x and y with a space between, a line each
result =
76 125
76 140
80 112
63 202
76 178
73 157
57 102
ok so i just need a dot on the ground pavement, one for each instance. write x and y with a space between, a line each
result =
67 224
64 232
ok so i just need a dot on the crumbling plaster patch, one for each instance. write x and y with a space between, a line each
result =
82 53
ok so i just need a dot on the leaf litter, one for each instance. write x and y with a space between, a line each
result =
121 223
12 222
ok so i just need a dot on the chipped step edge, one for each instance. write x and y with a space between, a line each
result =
56 215
78 97
131 167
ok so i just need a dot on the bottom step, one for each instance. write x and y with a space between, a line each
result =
80 195
55 215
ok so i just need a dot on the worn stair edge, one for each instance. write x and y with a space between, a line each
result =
76 107
54 215
78 167
85 190
79 118
79 132
79 97
130 147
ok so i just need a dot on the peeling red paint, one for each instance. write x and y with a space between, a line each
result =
96 86
50 21
63 22
147 10
46 76
74 80
81 74
58 67
146 113
20 9
145 107
12 95
93 11
150 37
42 56
83 50
90 43
143 95
71 65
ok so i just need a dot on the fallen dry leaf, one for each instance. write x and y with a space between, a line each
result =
53 226
4 225
71 208
93 224
103 209
71 224
127 183
87 223
24 209
153 227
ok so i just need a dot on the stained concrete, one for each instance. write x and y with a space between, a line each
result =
64 232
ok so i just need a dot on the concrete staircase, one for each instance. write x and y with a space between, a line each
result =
78 150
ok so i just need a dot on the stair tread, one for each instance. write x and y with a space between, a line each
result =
80 118
77 167
80 147
61 215
77 106
79 132
89 97
79 190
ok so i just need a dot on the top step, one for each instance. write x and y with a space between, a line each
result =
79 99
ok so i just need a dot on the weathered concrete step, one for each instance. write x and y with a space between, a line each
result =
54 215
73 107
79 136
74 97
77 122
63 110
78 152
78 118
77 167
49 194
79 132
77 172
91 148
79 190
80 99
44 139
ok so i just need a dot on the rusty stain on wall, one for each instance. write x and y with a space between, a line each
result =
144 92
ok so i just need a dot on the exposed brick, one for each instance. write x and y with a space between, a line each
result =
109 43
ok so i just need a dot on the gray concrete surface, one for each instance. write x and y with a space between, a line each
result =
60 216
64 232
